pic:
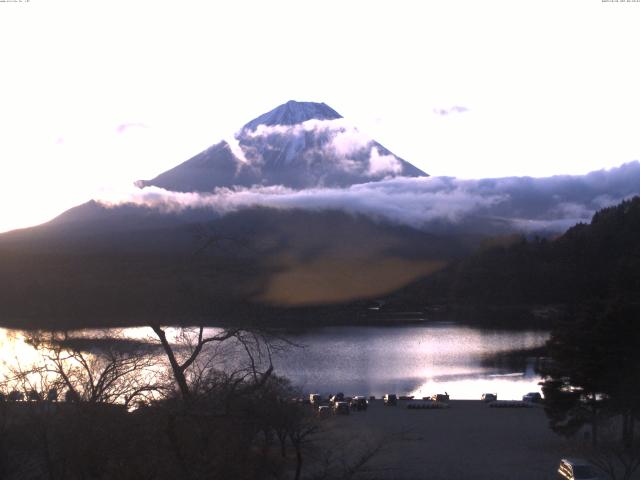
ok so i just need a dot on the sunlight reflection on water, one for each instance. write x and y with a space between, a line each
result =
407 360
412 360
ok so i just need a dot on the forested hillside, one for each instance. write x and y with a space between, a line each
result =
596 261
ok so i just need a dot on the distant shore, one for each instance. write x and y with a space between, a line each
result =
512 317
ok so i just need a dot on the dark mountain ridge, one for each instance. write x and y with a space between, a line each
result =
252 265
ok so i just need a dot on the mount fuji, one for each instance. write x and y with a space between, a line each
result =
299 215
297 145
101 264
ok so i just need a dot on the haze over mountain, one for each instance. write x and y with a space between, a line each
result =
296 145
446 205
304 155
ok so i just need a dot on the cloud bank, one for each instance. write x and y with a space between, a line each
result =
347 148
530 205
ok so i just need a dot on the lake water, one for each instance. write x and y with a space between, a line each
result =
414 360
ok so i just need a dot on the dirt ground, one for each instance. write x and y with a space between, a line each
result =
469 440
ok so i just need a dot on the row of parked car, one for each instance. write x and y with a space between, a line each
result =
338 404
391 399
531 397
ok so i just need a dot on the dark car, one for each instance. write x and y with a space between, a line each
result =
390 399
338 397
341 408
489 397
440 397
532 397
359 403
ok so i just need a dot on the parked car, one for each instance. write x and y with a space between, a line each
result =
15 396
390 399
359 403
576 469
440 397
338 397
315 399
52 395
533 397
489 397
341 408
324 410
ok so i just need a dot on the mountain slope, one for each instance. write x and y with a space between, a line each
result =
129 265
297 145
100 264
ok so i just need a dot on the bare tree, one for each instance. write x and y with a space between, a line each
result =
102 376
108 374
347 458
618 459
301 432
30 385
191 357
194 345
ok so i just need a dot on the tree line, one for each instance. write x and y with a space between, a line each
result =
112 407
597 261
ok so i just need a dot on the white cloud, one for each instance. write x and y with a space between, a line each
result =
236 149
517 203
383 164
349 141
336 140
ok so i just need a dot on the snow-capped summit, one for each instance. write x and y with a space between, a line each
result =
292 113
284 147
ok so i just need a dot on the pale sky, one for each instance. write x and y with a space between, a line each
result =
97 94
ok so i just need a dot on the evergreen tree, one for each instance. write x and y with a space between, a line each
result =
593 371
